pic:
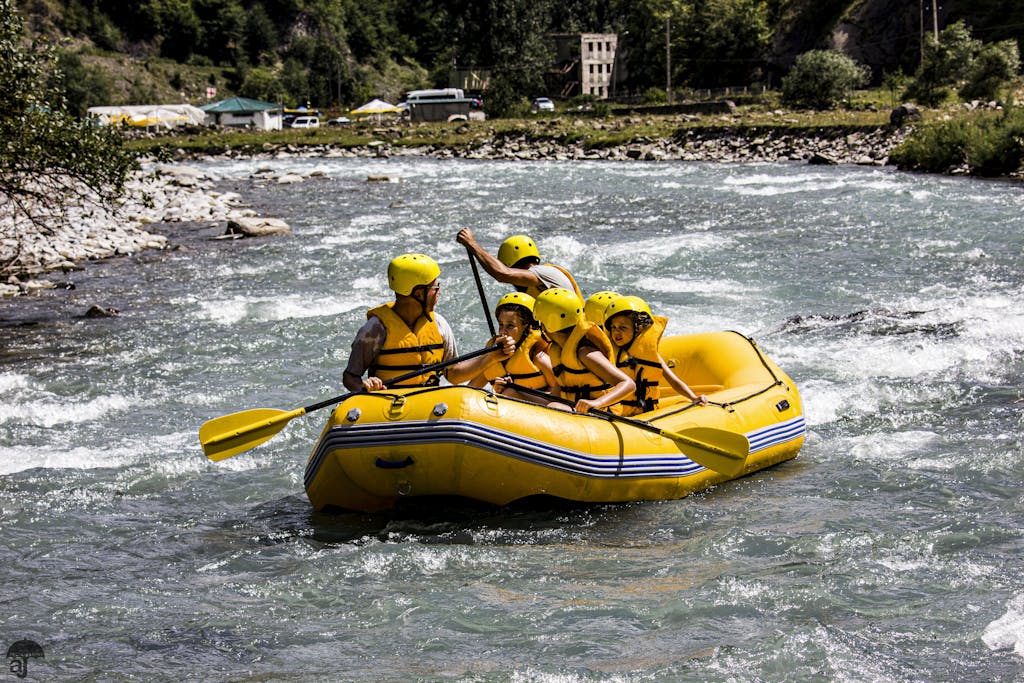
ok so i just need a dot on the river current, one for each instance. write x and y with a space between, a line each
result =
891 549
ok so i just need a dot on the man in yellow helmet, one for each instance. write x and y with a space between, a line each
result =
518 264
407 334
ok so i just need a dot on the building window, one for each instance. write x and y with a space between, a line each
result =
590 47
608 47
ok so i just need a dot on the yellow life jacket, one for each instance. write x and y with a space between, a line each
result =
520 366
641 362
575 380
405 349
535 291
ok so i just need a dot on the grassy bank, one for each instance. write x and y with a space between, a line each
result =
566 127
950 140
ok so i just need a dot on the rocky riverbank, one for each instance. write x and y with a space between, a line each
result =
178 192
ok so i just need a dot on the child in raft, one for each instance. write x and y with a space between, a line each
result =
529 365
581 353
635 333
593 309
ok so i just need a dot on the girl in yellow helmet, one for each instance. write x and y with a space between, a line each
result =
635 333
529 365
581 353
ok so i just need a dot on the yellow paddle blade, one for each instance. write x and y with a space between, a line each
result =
223 437
717 449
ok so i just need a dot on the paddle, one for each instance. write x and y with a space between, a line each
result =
223 437
716 449
480 288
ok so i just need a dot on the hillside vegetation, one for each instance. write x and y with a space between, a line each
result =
337 53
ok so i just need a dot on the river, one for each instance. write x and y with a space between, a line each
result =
891 549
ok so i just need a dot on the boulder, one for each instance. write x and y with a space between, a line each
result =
97 311
256 226
905 113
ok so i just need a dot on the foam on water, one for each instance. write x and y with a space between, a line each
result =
268 309
1007 632
20 458
32 405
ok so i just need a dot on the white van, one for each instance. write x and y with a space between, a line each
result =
305 122
439 94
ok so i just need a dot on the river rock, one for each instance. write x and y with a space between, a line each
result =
905 113
257 226
97 311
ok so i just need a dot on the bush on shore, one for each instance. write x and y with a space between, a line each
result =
980 145
821 78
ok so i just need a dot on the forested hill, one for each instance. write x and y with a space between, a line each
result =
340 52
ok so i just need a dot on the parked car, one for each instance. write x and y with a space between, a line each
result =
339 121
542 104
305 122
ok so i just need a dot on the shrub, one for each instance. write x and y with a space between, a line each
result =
984 146
999 150
938 148
820 79
995 66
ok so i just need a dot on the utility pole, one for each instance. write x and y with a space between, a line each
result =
668 58
935 20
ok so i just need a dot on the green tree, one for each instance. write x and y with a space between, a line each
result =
80 86
821 78
992 69
47 156
725 42
520 51
261 83
943 64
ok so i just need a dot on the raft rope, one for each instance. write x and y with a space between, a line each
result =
728 405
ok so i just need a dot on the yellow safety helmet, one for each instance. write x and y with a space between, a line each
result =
557 309
409 271
516 248
626 304
596 303
516 298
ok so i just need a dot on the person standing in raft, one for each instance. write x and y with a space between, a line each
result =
529 365
635 333
518 264
406 334
580 353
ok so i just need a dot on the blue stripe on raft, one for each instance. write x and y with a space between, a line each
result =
775 434
503 443
530 450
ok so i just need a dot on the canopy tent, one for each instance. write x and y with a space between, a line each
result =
374 107
147 115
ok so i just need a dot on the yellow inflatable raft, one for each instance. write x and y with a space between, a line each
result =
381 447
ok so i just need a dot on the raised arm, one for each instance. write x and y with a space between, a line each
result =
517 277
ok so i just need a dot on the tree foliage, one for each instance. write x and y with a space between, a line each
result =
821 78
47 155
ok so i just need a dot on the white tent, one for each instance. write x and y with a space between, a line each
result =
374 107
147 115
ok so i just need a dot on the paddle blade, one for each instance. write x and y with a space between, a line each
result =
717 449
223 437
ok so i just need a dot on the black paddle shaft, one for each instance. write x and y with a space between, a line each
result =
480 288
